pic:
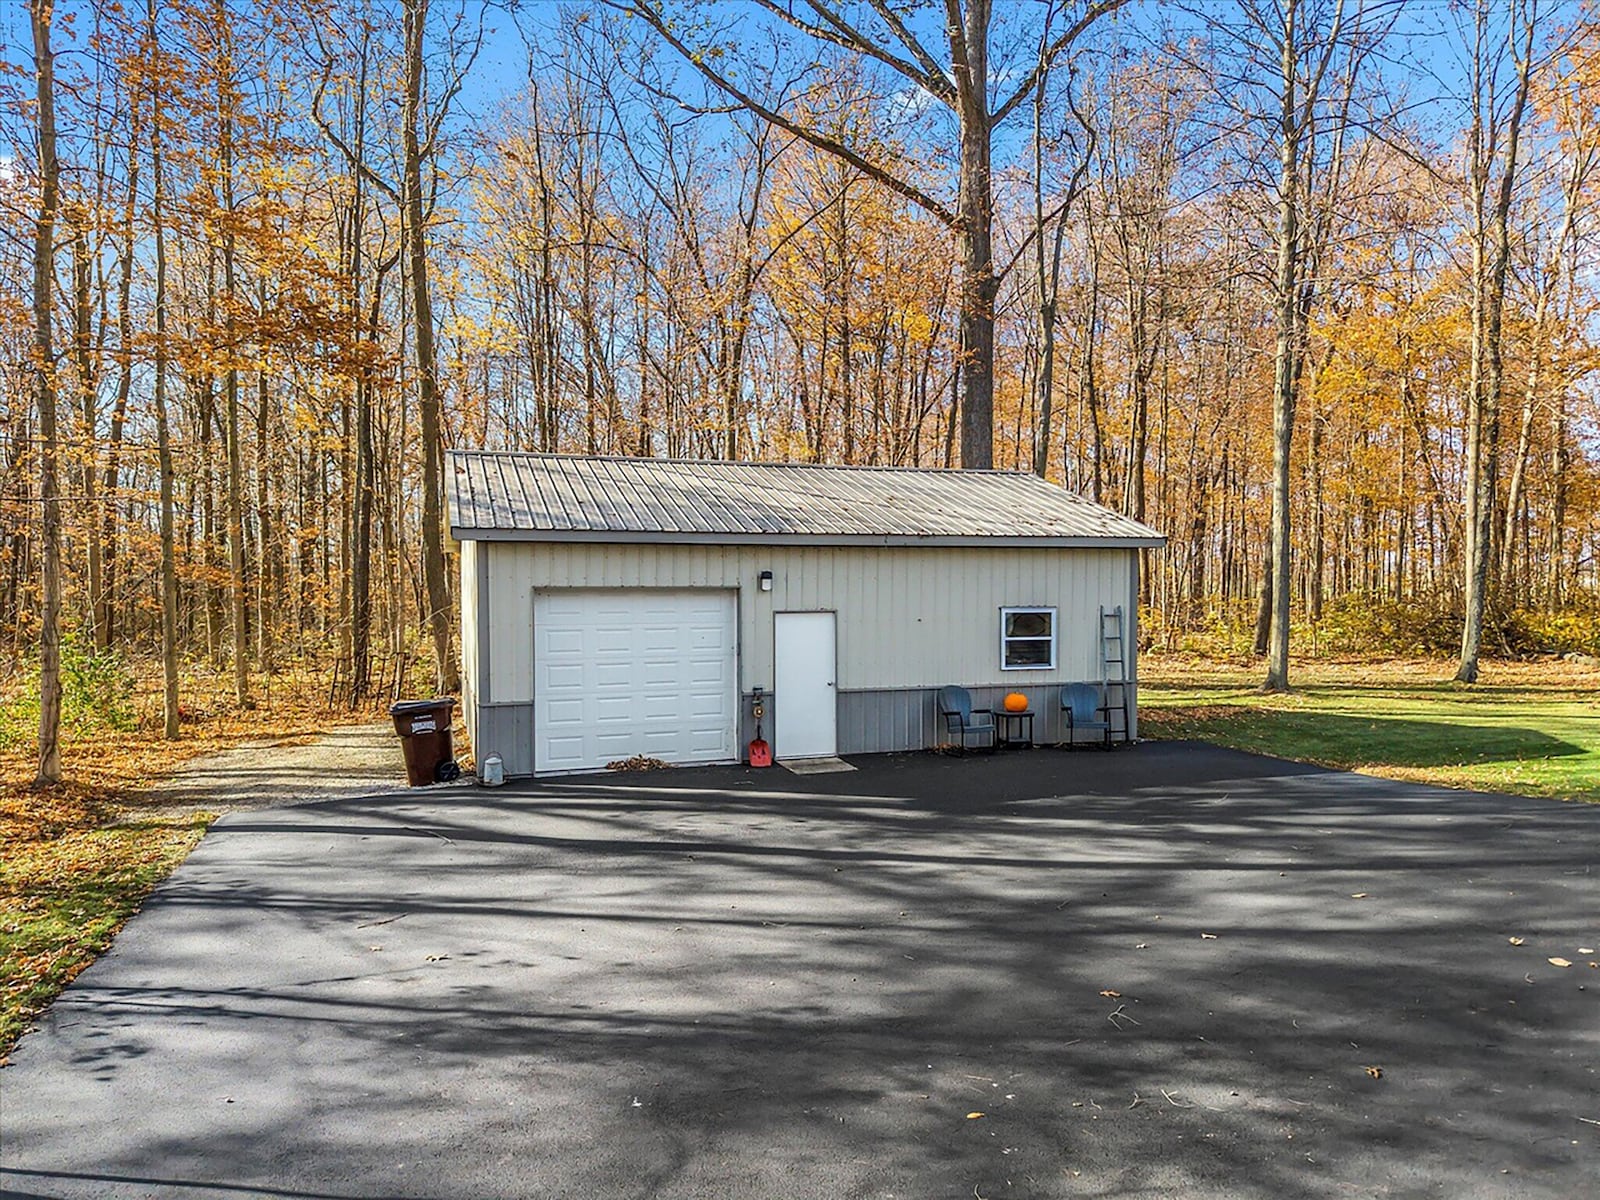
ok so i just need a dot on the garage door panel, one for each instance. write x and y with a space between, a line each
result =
633 671
566 712
568 676
704 671
615 708
663 675
613 674
564 641
564 750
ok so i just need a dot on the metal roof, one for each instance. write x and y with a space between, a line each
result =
498 495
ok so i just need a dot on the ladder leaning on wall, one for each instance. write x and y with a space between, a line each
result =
1114 667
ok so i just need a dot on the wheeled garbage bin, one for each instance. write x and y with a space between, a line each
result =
424 729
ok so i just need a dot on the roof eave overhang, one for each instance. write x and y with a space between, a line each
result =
655 537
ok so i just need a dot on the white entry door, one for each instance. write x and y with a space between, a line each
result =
804 682
620 672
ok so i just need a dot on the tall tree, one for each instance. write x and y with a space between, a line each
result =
1296 114
417 148
227 100
1302 37
1492 147
960 80
1049 232
154 77
41 15
421 124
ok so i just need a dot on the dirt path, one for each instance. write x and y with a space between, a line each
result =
349 761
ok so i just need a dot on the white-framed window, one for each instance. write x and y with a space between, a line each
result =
1027 639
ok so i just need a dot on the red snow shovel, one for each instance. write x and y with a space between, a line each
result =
760 751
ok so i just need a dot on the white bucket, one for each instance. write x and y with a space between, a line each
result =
492 771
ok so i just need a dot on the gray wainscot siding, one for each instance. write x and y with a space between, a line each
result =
881 720
506 730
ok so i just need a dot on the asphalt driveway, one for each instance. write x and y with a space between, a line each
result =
1170 971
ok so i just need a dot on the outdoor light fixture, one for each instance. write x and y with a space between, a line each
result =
766 581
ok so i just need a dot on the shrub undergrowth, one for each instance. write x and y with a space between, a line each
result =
97 694
1358 625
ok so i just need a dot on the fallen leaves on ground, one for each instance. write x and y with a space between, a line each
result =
1375 1072
78 858
1558 961
639 762
1515 941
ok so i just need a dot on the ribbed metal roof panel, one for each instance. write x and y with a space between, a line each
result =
506 494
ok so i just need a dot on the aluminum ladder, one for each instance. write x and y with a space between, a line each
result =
1114 667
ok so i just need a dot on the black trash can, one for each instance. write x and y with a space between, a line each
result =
424 729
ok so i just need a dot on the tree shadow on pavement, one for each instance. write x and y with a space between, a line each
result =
1169 971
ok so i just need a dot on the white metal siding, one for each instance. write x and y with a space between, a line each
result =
908 617
470 609
509 641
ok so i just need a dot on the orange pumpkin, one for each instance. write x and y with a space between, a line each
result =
1015 702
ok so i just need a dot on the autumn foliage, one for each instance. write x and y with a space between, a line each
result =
620 261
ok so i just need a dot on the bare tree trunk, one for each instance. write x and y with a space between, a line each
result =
235 484
1288 346
88 402
1047 275
1483 432
1088 371
266 531
361 526
42 14
446 673
1560 460
1263 631
205 400
1581 161
975 235
1315 583
105 618
169 566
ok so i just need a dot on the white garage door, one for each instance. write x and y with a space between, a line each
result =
636 671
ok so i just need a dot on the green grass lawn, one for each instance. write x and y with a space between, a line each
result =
64 897
78 859
1532 729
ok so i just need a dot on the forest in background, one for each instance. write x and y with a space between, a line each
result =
1308 286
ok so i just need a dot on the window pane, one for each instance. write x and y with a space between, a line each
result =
1029 652
1028 624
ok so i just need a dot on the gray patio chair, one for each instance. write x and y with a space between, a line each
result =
970 728
1081 709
